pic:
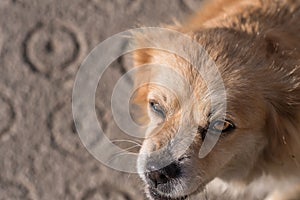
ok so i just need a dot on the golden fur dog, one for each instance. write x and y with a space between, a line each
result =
256 48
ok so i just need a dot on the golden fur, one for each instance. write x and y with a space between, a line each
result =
256 48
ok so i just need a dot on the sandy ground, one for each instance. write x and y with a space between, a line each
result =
42 43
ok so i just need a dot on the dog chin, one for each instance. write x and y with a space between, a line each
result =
153 194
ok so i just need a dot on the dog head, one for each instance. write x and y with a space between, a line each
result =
185 106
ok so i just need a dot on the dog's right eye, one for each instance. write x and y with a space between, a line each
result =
157 108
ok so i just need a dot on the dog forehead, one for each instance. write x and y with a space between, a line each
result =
181 82
172 80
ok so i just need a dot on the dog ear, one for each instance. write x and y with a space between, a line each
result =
283 41
141 57
142 54
139 99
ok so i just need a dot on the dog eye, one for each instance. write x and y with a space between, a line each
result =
222 126
157 108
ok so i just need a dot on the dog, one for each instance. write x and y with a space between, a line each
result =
255 46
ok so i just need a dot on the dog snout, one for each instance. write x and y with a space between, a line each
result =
164 175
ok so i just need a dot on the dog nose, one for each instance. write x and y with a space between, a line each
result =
164 175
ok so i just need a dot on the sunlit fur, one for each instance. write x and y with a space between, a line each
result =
256 48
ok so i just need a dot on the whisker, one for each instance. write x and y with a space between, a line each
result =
124 140
128 177
122 152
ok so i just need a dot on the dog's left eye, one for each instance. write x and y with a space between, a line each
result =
222 126
157 108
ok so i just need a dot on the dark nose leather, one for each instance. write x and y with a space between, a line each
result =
164 175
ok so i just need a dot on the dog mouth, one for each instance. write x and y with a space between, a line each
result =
156 196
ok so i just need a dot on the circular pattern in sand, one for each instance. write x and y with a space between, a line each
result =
63 131
53 47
